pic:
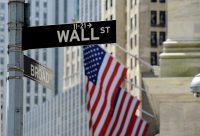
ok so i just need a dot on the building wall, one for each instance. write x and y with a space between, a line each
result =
63 115
3 63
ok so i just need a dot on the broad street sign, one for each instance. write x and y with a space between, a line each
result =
38 72
69 35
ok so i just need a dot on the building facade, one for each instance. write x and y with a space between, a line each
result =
3 62
63 115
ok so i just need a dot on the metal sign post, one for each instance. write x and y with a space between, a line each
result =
15 69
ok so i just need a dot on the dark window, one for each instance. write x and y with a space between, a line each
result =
135 39
36 87
37 14
37 3
2 28
36 54
111 3
106 4
154 60
135 80
28 100
2 83
36 100
162 38
27 109
131 43
45 4
1 39
131 84
153 18
2 17
1 61
131 3
135 17
162 1
162 18
131 63
45 55
28 86
43 99
153 39
135 2
2 6
153 0
131 23
44 90
135 62
111 17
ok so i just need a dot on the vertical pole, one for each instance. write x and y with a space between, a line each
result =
15 68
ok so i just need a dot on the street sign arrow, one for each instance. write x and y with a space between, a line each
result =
69 35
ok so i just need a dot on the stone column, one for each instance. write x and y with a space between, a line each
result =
181 57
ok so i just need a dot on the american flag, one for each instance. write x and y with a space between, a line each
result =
104 75
124 122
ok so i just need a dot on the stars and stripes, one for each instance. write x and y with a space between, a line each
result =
104 75
111 108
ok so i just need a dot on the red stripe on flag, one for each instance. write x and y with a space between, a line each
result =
106 96
118 114
118 85
139 127
124 117
131 125
145 130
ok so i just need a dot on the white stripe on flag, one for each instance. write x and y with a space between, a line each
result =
128 118
136 124
97 86
142 128
121 115
105 84
115 81
115 113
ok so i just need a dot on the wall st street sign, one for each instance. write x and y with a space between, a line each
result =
38 72
69 35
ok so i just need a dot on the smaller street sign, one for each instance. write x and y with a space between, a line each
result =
38 72
69 35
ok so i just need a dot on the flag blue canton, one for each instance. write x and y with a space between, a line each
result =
93 58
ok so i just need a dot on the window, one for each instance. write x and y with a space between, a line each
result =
131 43
131 23
153 18
1 39
135 16
131 84
135 62
2 6
153 0
1 83
2 17
27 109
45 4
135 39
36 22
162 38
37 14
36 87
111 3
131 3
45 55
106 4
44 90
43 99
154 60
2 61
28 86
36 54
1 50
28 100
36 100
2 28
162 18
37 3
131 63
135 78
135 2
162 1
153 39
111 17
